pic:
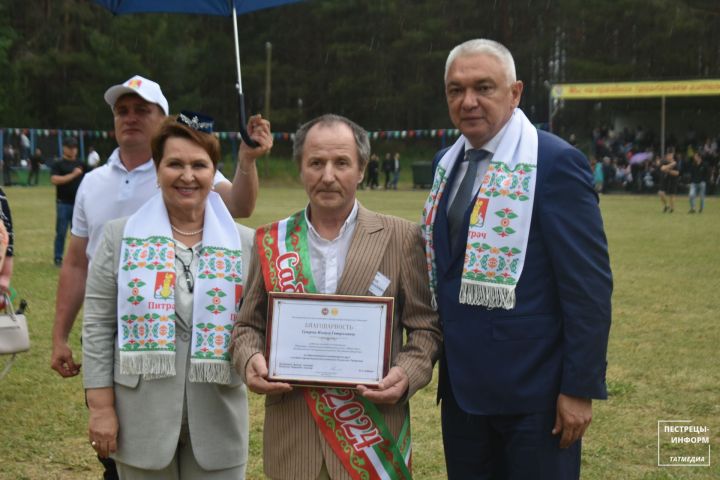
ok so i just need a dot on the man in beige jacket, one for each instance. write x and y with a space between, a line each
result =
351 251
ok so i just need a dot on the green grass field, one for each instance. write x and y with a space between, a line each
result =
663 355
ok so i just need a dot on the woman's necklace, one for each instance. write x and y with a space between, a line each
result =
187 234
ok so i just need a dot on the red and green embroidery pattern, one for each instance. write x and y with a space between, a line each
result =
491 264
152 253
490 261
219 266
135 285
212 341
148 332
216 295
503 181
429 215
220 263
155 330
506 216
500 219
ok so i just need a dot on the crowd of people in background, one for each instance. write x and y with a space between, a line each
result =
631 160
390 167
25 158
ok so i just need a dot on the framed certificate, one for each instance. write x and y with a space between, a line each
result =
328 340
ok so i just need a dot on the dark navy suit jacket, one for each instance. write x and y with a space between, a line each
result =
554 341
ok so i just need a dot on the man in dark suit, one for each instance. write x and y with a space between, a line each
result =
519 269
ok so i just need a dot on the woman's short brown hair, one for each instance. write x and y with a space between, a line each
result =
171 128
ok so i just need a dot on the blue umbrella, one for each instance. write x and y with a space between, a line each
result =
202 7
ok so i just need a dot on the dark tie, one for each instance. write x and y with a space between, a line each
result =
456 213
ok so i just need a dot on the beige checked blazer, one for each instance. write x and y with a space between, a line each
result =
293 447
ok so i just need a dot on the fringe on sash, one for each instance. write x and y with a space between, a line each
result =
490 296
209 371
154 364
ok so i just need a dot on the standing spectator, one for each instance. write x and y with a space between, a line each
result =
669 173
636 171
24 146
640 137
93 158
709 148
373 170
622 172
387 168
698 182
608 174
6 269
66 175
396 170
8 161
35 162
651 174
598 176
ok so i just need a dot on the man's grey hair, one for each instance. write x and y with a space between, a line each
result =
362 141
484 46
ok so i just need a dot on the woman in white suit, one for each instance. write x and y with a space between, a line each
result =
161 298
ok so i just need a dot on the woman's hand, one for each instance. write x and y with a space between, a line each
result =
103 424
103 430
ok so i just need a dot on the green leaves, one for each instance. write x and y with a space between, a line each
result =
384 69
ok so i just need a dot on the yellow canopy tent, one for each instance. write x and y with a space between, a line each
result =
604 91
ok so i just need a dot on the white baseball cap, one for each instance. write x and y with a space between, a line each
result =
146 89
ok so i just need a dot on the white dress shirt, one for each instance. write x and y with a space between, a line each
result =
462 167
327 257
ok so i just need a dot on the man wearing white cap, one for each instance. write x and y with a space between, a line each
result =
127 181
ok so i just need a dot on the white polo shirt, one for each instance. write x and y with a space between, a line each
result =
111 192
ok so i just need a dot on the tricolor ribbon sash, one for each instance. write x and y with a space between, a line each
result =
352 425
146 294
499 226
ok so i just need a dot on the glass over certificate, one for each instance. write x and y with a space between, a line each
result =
329 340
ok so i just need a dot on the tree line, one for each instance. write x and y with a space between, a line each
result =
379 62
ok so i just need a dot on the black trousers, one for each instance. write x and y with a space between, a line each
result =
505 447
